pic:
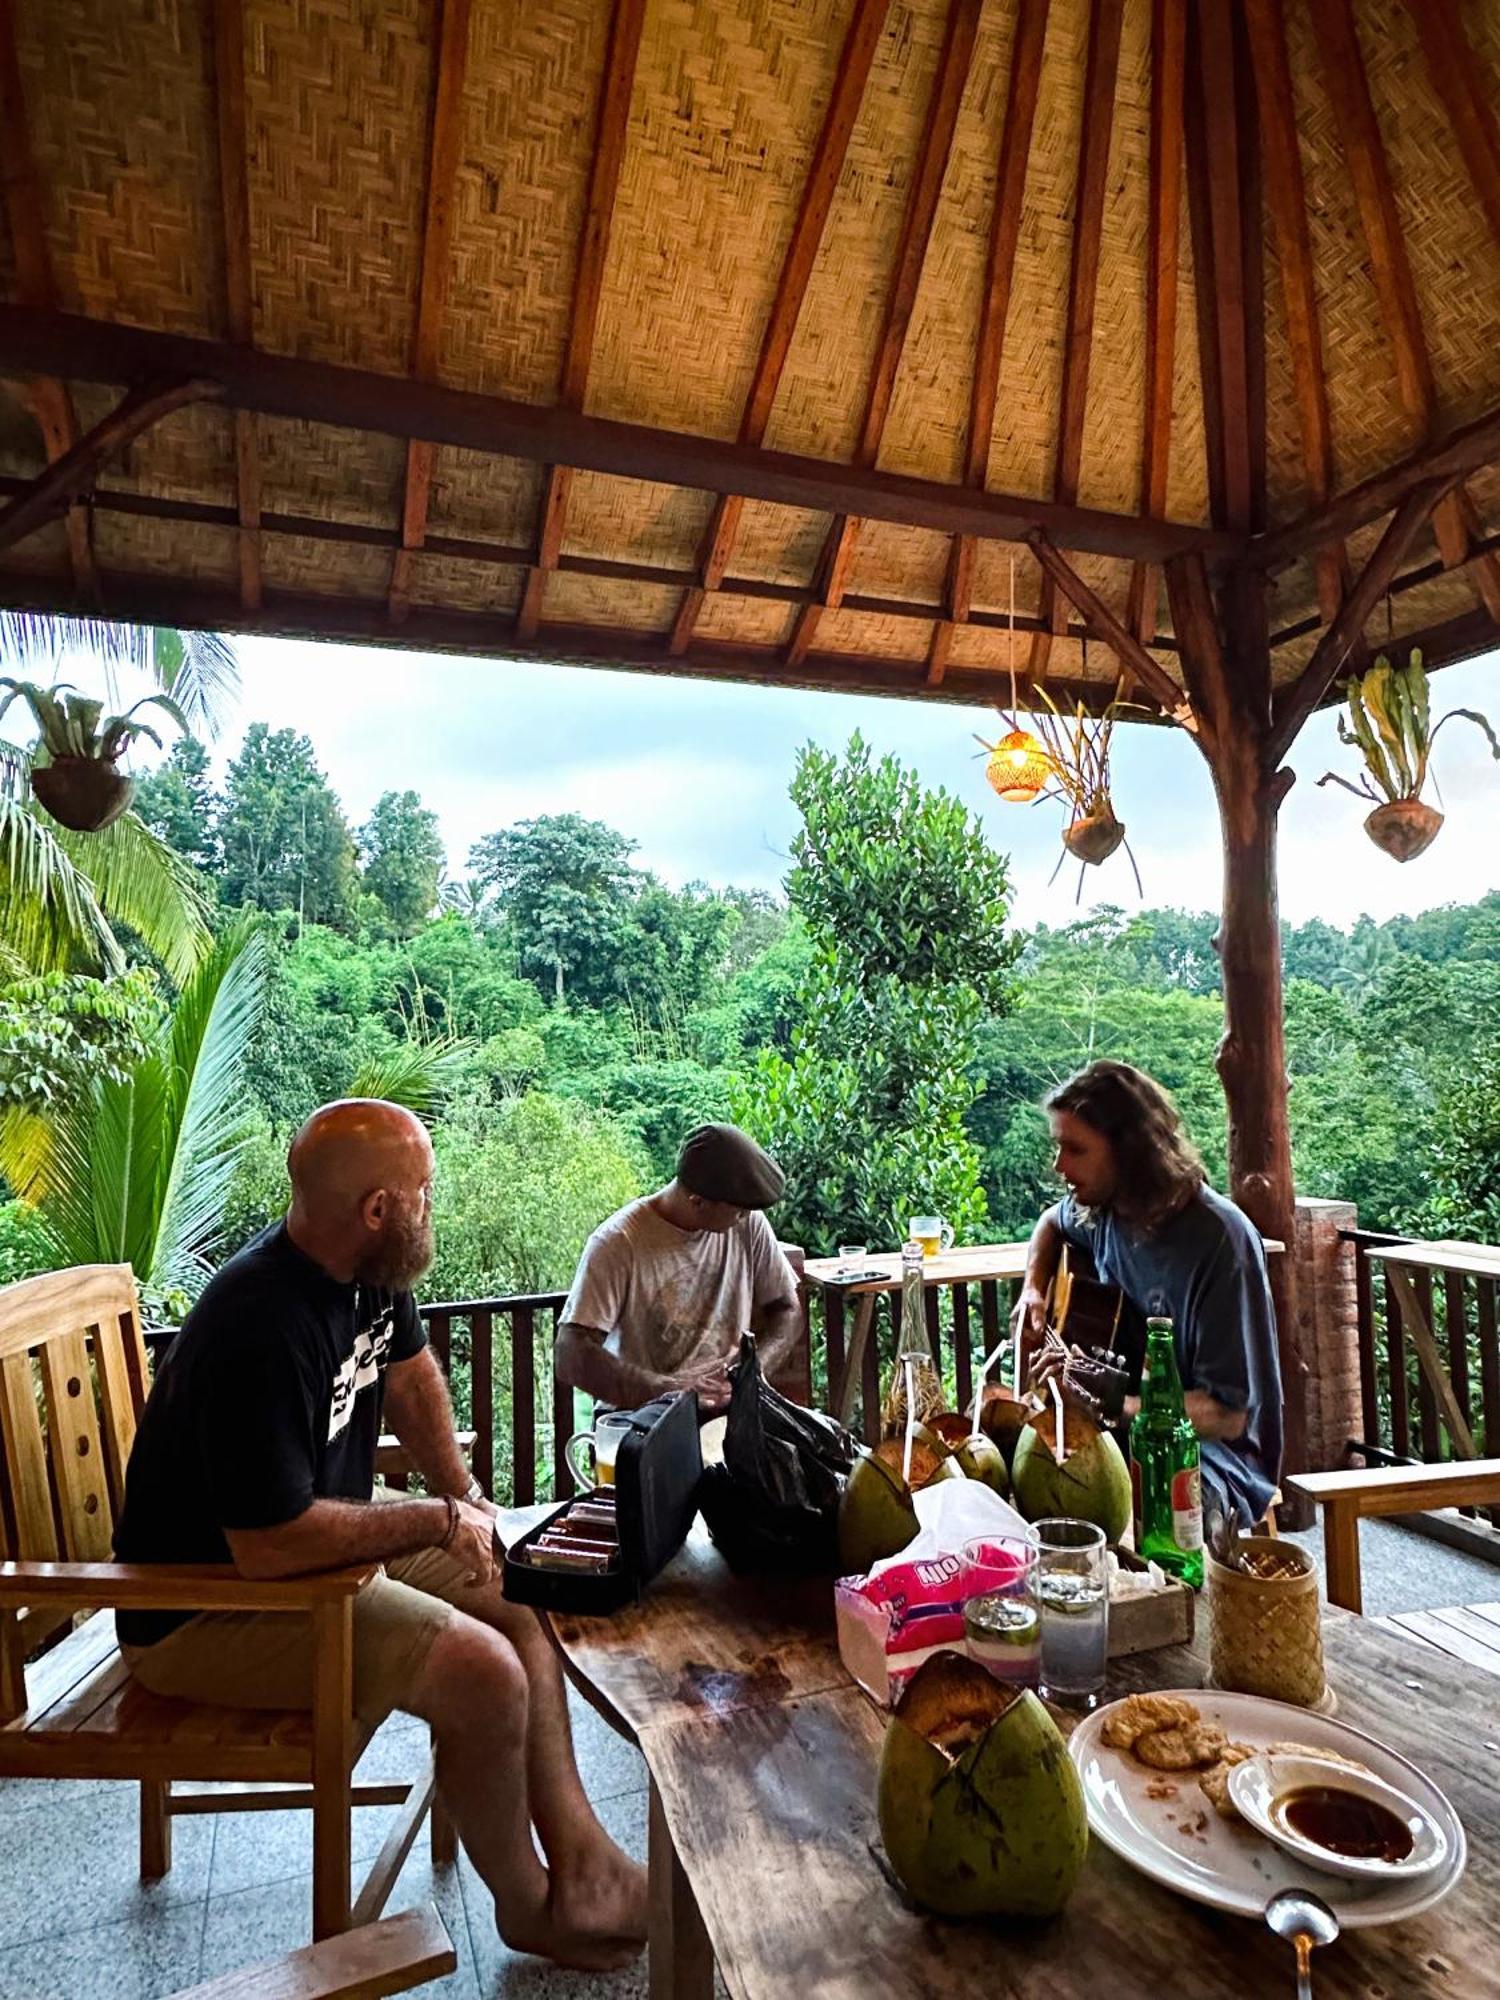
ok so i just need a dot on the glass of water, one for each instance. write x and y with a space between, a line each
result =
1002 1625
851 1259
1073 1586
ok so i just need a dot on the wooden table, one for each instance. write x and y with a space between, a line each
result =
764 1850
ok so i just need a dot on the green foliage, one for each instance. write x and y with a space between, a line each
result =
59 1031
1389 723
25 1247
139 1166
563 884
659 1103
283 839
177 803
904 904
1464 1197
403 857
418 1074
70 724
519 1187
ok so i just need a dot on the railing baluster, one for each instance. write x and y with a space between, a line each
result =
563 1482
1364 1310
871 1374
523 1405
989 1313
963 1360
439 1333
1395 1350
833 1344
1432 1443
1489 1374
482 1392
1456 1314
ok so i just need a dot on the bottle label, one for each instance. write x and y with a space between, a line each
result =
1187 1508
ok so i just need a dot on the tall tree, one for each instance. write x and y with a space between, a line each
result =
403 856
564 884
282 833
177 802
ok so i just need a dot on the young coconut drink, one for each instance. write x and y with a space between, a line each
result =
981 1809
1088 1480
876 1514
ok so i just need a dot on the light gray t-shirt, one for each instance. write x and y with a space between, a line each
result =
670 1299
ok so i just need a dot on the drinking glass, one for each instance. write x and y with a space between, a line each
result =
851 1259
1073 1586
932 1232
602 1444
1002 1624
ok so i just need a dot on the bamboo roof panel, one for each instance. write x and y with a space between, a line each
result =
595 232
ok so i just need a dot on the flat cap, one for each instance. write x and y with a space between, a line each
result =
721 1163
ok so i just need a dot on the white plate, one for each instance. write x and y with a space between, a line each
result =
1227 1864
1259 1782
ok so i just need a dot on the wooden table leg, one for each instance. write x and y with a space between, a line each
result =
864 1314
1341 1554
680 1955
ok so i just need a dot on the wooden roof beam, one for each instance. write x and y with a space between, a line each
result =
1168 57
1458 78
588 288
1342 639
1216 143
33 342
842 541
50 401
1364 152
856 60
72 476
445 132
1135 661
232 132
1100 76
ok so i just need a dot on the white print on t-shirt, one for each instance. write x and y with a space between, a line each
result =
360 1370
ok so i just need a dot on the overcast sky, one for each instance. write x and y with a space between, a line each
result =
697 775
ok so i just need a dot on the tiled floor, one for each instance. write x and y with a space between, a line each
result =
77 1924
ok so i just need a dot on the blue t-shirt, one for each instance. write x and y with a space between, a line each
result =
1205 1270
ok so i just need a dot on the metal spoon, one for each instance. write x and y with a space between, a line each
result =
1304 1920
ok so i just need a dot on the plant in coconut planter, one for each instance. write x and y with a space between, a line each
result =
1389 722
75 770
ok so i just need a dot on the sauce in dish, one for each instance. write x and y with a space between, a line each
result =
1345 1823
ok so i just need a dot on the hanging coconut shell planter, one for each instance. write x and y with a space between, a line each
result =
1388 720
1078 746
1095 837
75 774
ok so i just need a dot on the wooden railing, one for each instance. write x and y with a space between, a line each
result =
502 1348
964 1324
1402 1413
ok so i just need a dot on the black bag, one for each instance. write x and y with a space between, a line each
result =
773 1504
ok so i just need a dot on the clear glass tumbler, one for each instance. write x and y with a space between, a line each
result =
851 1259
1073 1586
1002 1623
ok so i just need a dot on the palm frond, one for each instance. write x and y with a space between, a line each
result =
139 880
50 915
416 1074
201 673
31 638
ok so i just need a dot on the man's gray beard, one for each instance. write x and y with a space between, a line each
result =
398 1260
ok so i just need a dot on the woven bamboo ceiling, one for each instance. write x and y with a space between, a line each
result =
751 338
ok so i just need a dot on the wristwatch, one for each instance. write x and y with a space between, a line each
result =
473 1493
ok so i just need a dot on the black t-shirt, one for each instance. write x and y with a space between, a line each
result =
268 1399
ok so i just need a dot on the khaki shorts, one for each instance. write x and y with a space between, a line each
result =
261 1659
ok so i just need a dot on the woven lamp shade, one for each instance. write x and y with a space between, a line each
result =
1018 768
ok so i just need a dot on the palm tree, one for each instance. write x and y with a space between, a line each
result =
61 891
136 1170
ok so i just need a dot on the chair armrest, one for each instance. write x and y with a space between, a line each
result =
173 1586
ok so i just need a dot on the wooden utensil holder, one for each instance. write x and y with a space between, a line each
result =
1265 1633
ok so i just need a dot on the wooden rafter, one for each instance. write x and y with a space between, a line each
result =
1459 81
1364 152
50 401
67 478
588 287
1218 140
232 129
1105 19
1168 56
1136 662
1005 234
1287 200
33 342
855 63
1342 639
842 541
450 59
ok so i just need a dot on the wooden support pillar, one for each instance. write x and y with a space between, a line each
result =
1229 679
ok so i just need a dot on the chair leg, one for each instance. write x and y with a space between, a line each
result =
444 1834
332 1764
156 1829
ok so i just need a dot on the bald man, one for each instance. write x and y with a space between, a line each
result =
257 1448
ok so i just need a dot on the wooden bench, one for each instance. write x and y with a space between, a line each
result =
73 1378
390 1956
1366 1492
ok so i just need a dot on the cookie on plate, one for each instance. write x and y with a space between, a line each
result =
1182 1748
1214 1782
1138 1714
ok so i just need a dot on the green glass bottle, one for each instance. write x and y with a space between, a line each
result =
1164 1447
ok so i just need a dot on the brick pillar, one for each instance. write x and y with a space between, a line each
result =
1327 1328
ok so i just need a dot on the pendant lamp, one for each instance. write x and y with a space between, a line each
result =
1019 767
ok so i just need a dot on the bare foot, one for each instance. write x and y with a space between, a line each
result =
600 1892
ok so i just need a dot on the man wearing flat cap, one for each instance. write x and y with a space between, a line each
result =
667 1285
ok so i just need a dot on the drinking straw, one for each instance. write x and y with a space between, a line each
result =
1057 1400
985 1366
908 1367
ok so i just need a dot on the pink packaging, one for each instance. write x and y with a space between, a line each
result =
892 1621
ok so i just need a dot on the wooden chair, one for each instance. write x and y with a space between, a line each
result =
1364 1492
390 1956
73 1378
